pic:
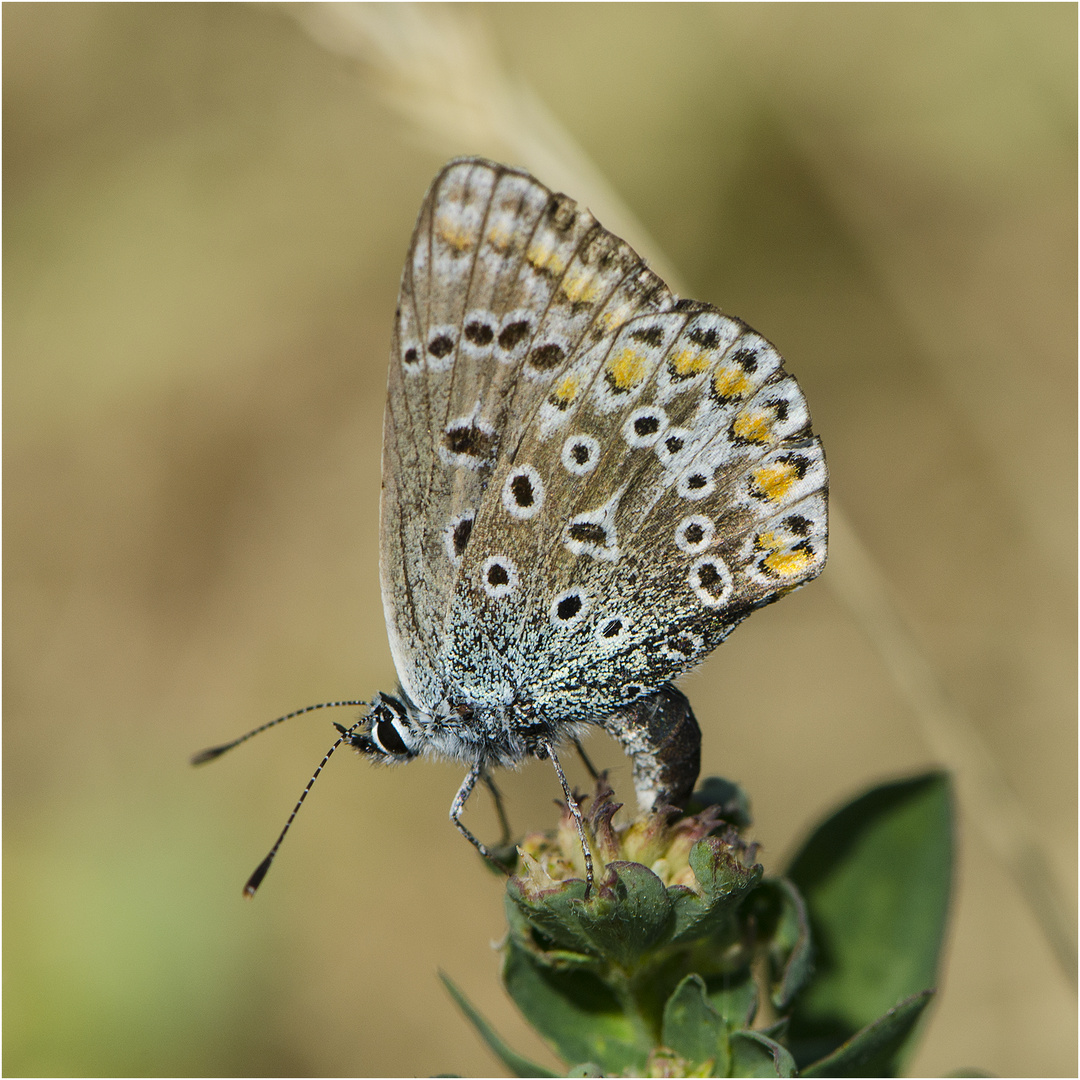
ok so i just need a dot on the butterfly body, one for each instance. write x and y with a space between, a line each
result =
463 729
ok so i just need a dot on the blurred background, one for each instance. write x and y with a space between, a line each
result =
206 212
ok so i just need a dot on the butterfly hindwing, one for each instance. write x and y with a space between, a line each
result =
681 490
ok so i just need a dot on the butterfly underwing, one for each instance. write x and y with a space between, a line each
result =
587 484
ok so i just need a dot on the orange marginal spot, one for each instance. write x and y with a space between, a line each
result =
766 542
789 563
753 426
580 288
687 362
730 381
458 238
626 369
567 390
544 259
774 481
500 240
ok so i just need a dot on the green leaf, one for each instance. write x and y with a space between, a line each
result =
518 1065
734 996
554 912
723 880
778 1031
875 877
754 1054
790 959
628 913
589 1069
693 1028
575 1012
540 945
875 1050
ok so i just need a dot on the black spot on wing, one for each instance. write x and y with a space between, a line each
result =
479 333
649 335
441 346
471 440
588 532
522 490
461 534
568 606
705 338
546 357
513 334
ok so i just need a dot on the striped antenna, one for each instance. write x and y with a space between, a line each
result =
255 880
216 751
203 756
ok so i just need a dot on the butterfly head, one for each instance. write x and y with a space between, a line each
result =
387 733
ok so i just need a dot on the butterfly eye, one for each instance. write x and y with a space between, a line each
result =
388 738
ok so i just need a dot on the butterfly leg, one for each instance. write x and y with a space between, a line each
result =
585 759
500 809
475 773
572 803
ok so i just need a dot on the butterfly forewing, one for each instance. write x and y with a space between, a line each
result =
446 400
590 483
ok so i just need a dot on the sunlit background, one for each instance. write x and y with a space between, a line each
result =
206 208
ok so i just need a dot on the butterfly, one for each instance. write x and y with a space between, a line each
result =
587 484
